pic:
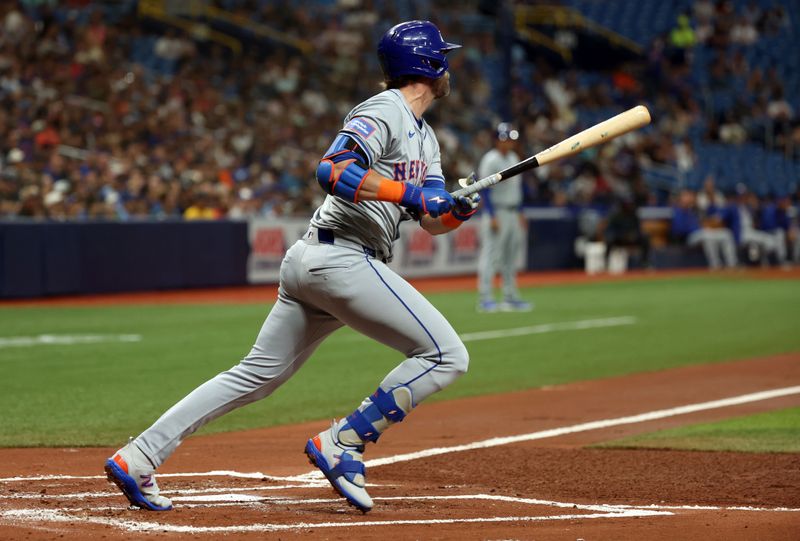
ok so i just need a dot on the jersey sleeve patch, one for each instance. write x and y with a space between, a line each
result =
361 126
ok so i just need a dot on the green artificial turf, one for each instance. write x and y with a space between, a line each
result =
94 394
774 431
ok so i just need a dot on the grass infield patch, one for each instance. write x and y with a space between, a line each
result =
771 432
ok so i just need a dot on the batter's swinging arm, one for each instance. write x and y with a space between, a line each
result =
630 120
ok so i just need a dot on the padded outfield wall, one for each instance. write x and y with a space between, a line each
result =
50 258
40 259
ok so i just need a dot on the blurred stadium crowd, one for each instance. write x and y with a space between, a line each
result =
106 116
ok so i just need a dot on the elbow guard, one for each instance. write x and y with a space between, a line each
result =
346 182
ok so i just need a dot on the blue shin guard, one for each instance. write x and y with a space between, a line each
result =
377 413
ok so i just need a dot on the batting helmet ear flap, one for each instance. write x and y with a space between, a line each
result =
414 48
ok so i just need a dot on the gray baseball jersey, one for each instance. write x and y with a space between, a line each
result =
500 248
336 276
509 192
400 147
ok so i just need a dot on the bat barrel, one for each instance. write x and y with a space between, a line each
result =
632 119
615 126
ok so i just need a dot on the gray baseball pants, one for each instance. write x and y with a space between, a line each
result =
714 241
322 288
499 252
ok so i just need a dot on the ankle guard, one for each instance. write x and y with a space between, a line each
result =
378 412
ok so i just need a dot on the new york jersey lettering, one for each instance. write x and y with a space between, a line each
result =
410 170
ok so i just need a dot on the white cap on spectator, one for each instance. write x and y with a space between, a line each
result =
61 186
15 155
53 198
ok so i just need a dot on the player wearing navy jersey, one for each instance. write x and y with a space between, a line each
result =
383 168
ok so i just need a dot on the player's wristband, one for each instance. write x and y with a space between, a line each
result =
405 194
391 191
450 220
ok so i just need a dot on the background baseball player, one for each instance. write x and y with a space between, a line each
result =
502 226
382 168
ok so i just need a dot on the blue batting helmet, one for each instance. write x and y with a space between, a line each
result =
414 48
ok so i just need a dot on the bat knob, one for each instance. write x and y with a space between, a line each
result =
466 181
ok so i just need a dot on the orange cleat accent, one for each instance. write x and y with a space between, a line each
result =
121 462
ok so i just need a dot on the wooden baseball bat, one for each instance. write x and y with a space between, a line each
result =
630 120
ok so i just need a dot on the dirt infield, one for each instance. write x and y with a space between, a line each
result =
446 473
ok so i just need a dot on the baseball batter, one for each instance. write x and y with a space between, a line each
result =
501 226
382 168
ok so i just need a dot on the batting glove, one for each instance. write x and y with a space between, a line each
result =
427 200
466 205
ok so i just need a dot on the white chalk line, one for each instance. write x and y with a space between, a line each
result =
210 490
238 499
549 327
65 339
711 508
492 442
601 511
214 473
74 339
226 496
50 515
229 494
534 329
582 427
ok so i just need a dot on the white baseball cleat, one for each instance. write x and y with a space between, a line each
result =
132 472
515 305
343 465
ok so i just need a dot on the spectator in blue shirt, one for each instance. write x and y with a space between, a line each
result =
750 231
710 233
